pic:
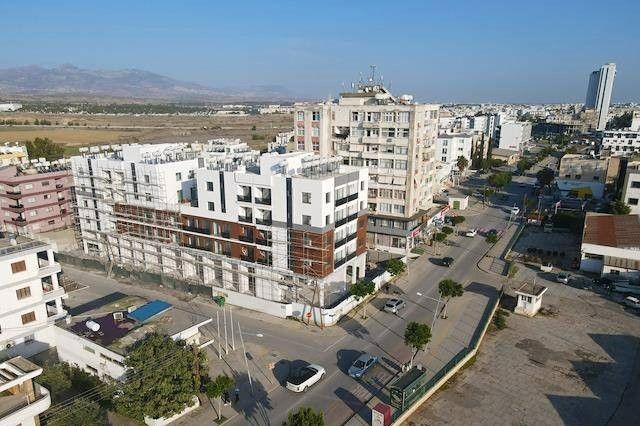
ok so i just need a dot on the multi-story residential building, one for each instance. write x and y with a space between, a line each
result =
22 400
30 296
514 136
631 187
396 139
35 200
265 231
451 146
599 93
13 154
578 172
625 142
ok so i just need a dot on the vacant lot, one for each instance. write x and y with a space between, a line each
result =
256 130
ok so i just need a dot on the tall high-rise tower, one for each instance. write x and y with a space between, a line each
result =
599 93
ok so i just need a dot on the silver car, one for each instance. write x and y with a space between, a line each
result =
394 305
361 365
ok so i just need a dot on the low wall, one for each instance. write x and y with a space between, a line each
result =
163 422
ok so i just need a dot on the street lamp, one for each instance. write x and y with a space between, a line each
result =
435 311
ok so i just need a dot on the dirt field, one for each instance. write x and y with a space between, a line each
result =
103 129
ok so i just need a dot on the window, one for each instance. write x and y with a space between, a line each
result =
327 197
45 183
28 186
315 115
361 185
315 146
401 150
146 179
389 133
387 117
31 200
578 177
401 164
315 131
306 220
633 201
46 196
300 131
23 293
596 178
355 116
18 267
635 184
300 146
148 196
300 115
327 219
29 339
28 317
178 177
398 209
386 164
89 349
403 133
403 117
210 206
306 198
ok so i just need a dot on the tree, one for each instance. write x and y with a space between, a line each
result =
55 377
448 289
150 390
305 416
492 238
621 121
81 412
457 220
44 147
417 336
439 237
447 230
619 207
362 289
545 177
462 163
499 180
395 266
216 389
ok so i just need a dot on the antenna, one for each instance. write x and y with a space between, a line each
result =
373 73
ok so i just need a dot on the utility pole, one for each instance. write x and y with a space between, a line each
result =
244 352
226 341
218 327
233 341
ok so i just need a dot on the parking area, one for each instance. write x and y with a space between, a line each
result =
536 247
576 363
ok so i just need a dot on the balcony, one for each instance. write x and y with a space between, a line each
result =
59 186
246 219
344 220
13 194
344 260
15 408
245 198
346 239
246 238
61 200
263 242
264 200
205 231
20 220
265 261
225 234
16 208
264 221
248 257
346 199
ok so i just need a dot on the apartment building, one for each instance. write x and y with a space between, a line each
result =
22 400
582 173
267 232
30 296
625 142
13 154
514 136
35 199
631 187
396 139
599 91
450 146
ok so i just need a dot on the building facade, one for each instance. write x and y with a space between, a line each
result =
450 147
631 187
599 90
624 142
582 173
283 228
392 136
514 136
34 200
30 296
22 400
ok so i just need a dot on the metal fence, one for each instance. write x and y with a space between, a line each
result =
453 362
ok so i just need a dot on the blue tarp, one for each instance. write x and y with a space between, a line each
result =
149 309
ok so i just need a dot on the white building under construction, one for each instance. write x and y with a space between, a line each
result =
274 233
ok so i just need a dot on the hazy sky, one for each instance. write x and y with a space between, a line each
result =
460 51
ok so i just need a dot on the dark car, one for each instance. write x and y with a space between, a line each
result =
447 261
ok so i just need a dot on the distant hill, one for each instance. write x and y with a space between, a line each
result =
71 81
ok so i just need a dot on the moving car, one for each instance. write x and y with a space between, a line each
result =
303 378
447 261
471 233
515 210
632 302
563 278
394 305
361 365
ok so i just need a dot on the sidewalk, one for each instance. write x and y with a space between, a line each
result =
492 262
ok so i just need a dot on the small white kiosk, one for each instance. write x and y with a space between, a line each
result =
529 297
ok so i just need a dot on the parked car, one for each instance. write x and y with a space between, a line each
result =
515 210
471 233
303 378
632 302
361 365
394 305
447 261
563 277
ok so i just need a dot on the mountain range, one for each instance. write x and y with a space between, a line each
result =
71 81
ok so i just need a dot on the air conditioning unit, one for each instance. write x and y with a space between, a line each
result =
131 309
118 316
10 344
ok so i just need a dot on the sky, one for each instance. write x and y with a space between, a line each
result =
439 51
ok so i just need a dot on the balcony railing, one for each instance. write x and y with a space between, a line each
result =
344 260
16 208
19 219
346 239
263 242
206 231
61 199
264 221
59 185
265 261
247 219
344 220
245 197
264 200
225 234
346 199
248 258
246 238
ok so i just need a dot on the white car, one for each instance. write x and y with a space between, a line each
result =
302 379
515 211
632 302
471 233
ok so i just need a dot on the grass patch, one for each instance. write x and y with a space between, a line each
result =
500 319
418 251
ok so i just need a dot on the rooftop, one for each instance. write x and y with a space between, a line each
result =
531 289
621 231
10 243
504 152
116 320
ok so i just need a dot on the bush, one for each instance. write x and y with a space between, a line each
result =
395 266
492 238
447 230
500 319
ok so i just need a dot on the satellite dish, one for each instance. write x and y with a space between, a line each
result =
92 325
